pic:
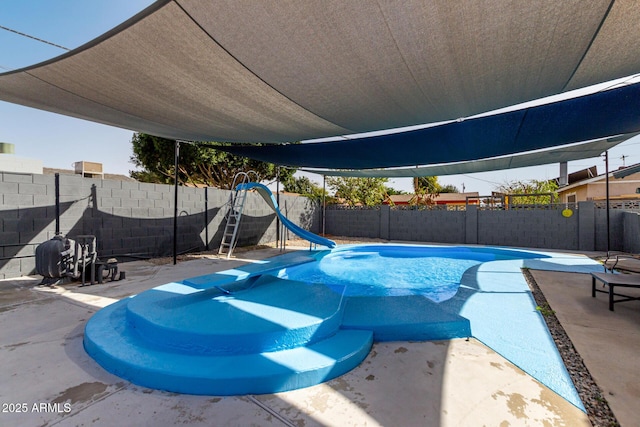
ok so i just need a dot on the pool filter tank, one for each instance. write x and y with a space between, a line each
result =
61 258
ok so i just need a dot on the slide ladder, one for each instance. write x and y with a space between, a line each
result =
236 202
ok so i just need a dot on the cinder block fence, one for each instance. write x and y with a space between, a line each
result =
135 220
129 219
530 227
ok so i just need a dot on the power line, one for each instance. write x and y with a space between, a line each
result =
480 179
34 38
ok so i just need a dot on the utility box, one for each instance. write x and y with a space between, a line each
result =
89 169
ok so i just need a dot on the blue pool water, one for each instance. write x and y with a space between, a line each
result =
382 270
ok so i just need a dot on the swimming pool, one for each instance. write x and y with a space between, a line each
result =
304 317
394 270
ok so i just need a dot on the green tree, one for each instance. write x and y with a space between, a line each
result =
529 192
301 185
392 191
305 187
198 164
430 184
426 184
359 191
426 189
449 188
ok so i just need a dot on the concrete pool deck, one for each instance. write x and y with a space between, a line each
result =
454 382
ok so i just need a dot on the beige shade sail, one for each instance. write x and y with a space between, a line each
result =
281 71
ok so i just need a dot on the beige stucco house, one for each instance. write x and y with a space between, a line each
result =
595 189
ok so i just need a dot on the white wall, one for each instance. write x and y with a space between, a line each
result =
11 163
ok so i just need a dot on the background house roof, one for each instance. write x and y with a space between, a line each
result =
634 173
276 71
440 199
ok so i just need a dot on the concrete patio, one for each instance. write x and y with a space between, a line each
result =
49 378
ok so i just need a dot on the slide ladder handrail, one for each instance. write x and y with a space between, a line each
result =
237 198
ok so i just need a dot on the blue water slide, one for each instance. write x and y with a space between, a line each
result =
267 195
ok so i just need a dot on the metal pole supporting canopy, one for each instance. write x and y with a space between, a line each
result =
175 202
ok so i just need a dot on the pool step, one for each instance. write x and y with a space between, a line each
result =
400 318
228 278
274 314
121 351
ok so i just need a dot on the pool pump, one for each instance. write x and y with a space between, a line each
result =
61 258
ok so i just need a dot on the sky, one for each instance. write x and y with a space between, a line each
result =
59 141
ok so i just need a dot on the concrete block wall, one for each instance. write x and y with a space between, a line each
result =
631 232
427 225
537 228
128 218
586 227
353 222
137 219
303 211
616 231
131 218
546 228
26 215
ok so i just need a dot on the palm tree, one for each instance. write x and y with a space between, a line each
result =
426 189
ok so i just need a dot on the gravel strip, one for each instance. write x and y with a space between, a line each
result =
595 403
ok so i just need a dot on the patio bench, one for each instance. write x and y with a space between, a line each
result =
623 262
613 281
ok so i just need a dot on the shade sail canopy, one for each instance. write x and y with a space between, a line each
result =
584 118
279 71
554 155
